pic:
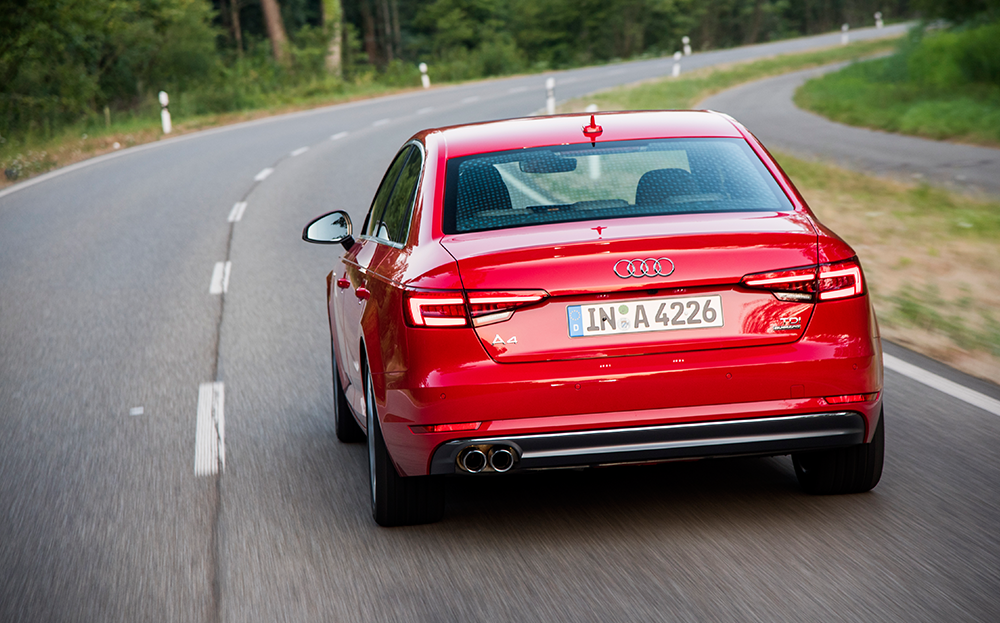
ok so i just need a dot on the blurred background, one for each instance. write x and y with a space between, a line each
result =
88 65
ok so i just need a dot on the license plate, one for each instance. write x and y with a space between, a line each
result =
680 312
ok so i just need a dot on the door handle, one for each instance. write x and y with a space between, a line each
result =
343 282
362 293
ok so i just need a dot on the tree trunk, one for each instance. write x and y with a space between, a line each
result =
754 25
371 44
234 11
276 30
332 17
395 27
387 23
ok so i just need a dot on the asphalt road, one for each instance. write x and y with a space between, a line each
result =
766 107
105 306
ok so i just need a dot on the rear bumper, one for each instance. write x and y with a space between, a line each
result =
757 436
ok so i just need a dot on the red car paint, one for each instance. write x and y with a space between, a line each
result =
547 382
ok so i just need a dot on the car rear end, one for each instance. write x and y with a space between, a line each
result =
630 299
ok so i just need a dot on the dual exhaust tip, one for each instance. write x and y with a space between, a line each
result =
474 460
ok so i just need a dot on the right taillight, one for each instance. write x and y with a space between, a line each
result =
837 280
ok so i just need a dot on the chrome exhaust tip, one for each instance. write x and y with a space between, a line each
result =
501 460
472 460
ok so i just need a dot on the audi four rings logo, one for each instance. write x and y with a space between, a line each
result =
659 267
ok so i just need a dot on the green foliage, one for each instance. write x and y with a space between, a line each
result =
60 61
958 11
63 61
687 90
942 85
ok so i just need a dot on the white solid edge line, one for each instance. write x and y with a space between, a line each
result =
206 440
215 286
260 177
942 384
338 136
225 276
299 151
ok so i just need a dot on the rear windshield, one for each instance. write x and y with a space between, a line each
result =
608 180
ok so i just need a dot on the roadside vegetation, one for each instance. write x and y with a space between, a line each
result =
931 257
692 87
78 78
942 84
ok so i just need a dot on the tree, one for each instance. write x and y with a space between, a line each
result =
276 30
333 15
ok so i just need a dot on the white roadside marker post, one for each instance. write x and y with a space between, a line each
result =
878 19
686 40
164 113
677 65
424 79
844 37
550 96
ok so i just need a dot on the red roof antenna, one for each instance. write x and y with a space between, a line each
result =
593 130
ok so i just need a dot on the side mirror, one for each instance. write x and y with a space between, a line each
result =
332 228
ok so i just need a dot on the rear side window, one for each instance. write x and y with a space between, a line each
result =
385 190
396 217
607 180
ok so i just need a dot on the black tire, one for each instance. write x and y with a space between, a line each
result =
397 501
346 427
845 470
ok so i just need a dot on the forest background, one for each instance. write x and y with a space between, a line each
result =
73 64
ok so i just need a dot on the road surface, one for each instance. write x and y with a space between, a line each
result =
112 326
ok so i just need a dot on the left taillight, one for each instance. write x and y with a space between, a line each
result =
435 309
489 307
837 280
454 308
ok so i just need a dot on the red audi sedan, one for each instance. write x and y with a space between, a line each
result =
577 291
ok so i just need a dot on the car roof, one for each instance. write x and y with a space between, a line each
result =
476 138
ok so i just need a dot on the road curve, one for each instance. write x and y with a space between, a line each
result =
766 107
132 283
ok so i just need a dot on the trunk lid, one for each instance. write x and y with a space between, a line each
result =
693 302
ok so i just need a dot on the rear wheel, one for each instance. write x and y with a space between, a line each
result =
344 424
844 470
397 501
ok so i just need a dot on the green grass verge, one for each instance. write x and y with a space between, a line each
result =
35 154
690 88
932 257
867 94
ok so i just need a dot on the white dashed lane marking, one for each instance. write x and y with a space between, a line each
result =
338 136
425 110
237 212
210 430
470 99
517 90
260 177
942 384
299 151
381 122
220 278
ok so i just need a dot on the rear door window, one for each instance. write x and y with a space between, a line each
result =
374 219
395 218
